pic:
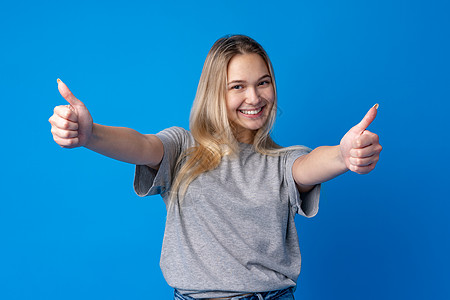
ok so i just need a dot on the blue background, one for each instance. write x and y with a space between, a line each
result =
71 226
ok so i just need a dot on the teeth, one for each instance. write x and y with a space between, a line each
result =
251 112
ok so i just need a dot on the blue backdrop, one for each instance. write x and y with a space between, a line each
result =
71 226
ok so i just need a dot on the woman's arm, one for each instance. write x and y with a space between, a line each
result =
126 144
359 151
72 126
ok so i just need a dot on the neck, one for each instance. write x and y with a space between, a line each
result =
245 136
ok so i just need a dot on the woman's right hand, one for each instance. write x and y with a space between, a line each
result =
71 124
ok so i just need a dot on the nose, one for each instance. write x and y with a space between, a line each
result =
253 97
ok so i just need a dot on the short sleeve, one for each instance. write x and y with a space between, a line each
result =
305 204
148 181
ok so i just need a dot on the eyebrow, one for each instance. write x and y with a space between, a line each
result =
243 81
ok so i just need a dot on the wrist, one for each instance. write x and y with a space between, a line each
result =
340 159
92 136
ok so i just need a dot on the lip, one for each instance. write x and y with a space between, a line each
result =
253 116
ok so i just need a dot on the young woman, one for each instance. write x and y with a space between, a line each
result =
231 192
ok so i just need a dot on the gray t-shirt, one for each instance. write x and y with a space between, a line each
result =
234 231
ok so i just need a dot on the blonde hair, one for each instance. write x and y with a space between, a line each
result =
209 123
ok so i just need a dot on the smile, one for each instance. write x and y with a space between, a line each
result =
252 112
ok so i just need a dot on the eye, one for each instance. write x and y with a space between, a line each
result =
236 87
265 82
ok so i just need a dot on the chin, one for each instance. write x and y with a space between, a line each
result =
251 127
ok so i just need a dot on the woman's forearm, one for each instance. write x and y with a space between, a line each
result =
126 145
320 165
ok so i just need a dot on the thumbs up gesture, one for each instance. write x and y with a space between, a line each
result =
360 148
71 124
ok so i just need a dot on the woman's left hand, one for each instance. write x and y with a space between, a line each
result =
360 148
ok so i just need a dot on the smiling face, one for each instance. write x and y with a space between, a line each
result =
250 95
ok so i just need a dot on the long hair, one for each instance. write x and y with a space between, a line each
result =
209 123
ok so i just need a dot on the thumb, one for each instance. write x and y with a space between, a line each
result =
368 118
67 94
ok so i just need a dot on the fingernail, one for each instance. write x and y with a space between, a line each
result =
376 106
58 80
